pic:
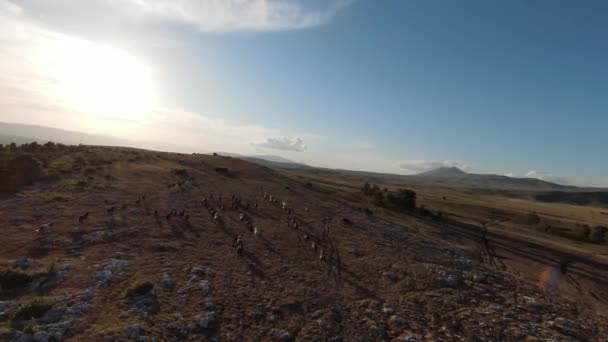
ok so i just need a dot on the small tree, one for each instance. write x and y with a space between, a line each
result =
378 198
406 199
19 171
366 189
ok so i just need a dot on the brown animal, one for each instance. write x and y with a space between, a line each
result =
239 246
83 218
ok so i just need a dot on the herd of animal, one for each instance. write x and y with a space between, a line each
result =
215 204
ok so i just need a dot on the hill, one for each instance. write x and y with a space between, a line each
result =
443 172
129 247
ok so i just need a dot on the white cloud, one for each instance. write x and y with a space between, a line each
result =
203 15
549 177
28 94
418 166
283 144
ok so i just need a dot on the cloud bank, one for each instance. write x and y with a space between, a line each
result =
418 166
282 144
209 16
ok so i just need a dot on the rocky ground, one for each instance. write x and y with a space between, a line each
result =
127 272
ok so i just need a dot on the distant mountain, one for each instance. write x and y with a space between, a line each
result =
457 176
266 159
443 172
21 133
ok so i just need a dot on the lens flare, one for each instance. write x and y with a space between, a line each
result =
550 280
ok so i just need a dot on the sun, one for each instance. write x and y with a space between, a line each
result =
99 80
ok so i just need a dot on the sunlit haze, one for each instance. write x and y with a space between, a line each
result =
516 88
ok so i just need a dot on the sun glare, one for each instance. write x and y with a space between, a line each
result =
99 80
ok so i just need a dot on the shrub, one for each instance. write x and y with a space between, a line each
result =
139 288
532 218
405 200
180 172
366 189
19 171
584 232
378 199
11 280
598 235
31 327
33 308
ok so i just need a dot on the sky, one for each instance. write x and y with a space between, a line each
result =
518 88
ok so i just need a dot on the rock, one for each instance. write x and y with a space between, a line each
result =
200 271
4 304
281 334
79 309
25 338
204 285
479 278
166 280
451 280
136 212
145 301
208 304
41 336
194 279
533 303
52 316
133 331
567 326
57 330
207 320
109 271
396 320
408 338
387 310
390 276
24 263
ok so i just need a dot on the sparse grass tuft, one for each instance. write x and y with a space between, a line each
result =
33 308
31 327
139 288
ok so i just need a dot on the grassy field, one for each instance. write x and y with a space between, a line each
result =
106 243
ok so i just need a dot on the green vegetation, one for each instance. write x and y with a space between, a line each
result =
31 327
139 288
13 280
532 218
402 200
33 308
585 233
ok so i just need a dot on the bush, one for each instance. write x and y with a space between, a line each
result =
139 288
180 172
11 280
584 232
34 308
598 235
31 327
20 171
532 218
